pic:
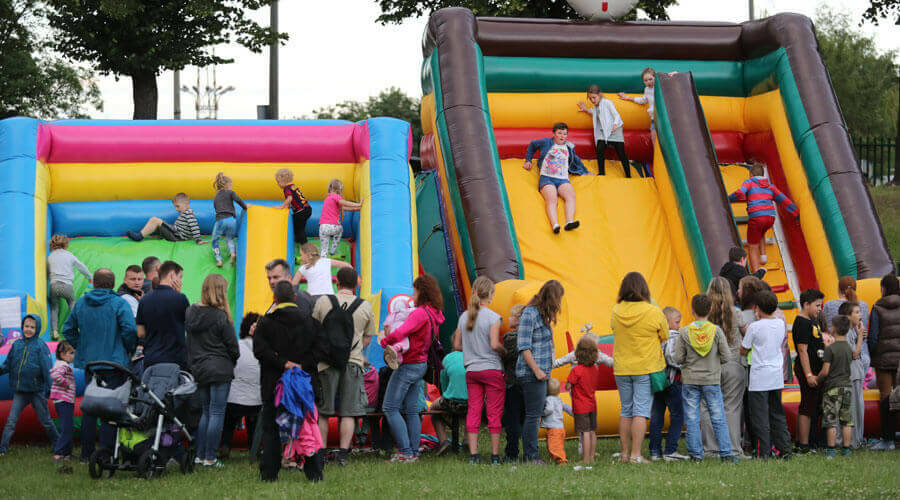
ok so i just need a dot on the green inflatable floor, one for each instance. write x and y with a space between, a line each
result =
119 253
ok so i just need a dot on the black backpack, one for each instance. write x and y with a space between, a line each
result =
338 332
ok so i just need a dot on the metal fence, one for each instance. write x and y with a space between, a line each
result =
877 157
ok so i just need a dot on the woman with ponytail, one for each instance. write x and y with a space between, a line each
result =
846 293
478 336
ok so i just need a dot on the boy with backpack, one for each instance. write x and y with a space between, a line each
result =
348 324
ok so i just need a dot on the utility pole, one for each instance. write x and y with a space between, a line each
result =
273 62
177 95
750 2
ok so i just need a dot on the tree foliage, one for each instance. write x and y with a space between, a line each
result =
883 9
142 38
34 82
864 79
391 102
395 11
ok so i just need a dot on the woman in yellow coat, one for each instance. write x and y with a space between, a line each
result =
638 329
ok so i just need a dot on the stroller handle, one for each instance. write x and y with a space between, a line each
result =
115 366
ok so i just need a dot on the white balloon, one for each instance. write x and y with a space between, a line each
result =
602 10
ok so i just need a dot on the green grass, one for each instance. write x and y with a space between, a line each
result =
887 203
28 472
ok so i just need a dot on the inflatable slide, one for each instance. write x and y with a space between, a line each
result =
729 93
94 180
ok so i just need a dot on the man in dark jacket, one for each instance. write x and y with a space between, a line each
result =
284 339
101 328
736 268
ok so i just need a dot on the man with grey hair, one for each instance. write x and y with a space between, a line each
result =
279 270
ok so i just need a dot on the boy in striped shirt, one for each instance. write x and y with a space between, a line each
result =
185 228
761 196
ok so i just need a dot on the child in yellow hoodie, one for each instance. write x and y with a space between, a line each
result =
701 350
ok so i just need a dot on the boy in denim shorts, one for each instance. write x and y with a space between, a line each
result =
837 394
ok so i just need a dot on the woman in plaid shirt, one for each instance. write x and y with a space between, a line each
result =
535 346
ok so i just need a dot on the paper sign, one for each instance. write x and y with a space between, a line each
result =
11 312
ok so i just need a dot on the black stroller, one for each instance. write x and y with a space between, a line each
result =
150 416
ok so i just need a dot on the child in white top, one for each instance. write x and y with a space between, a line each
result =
608 129
316 270
649 78
569 359
765 337
399 308
552 420
61 266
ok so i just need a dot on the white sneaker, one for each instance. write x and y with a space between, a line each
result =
582 467
671 457
655 458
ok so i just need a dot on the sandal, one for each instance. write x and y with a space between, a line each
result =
638 460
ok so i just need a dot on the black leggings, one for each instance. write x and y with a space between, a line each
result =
620 151
300 219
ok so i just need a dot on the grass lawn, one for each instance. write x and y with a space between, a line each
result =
29 473
887 203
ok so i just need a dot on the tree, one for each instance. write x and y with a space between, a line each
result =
395 11
142 38
882 9
391 102
35 83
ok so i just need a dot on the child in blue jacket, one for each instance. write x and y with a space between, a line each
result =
556 161
28 365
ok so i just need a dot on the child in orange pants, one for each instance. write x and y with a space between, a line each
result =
552 420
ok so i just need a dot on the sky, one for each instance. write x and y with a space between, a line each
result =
337 51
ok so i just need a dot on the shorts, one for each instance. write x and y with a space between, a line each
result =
167 232
635 395
347 388
836 407
757 227
586 422
555 182
810 397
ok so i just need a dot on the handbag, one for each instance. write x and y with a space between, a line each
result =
658 381
435 354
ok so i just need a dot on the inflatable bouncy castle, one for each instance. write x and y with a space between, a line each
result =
726 94
92 180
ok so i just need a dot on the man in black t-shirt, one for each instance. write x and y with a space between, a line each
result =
810 350
160 319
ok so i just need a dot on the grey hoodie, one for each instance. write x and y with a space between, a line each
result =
697 369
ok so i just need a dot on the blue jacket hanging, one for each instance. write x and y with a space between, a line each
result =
298 397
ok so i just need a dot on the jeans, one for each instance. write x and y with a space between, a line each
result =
224 227
59 290
89 424
635 395
39 403
513 418
215 397
402 393
711 395
671 398
534 394
65 411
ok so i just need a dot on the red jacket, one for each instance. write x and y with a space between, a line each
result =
419 327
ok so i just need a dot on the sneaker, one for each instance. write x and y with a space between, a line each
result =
671 457
537 461
830 453
198 461
696 460
218 262
341 457
582 467
402 459
390 358
845 452
556 229
474 459
134 235
572 225
510 459
655 458
443 448
495 460
215 464
883 445
730 460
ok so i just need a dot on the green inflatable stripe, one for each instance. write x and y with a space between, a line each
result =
119 253
539 74
444 137
495 160
817 176
679 183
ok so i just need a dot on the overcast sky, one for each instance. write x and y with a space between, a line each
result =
337 51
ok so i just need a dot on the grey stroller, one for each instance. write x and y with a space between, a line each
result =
149 415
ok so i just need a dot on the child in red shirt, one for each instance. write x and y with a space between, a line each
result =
582 384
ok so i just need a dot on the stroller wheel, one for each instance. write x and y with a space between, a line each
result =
147 465
187 460
101 464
